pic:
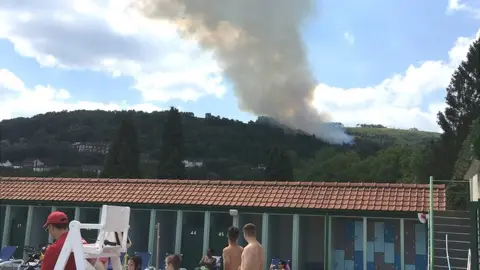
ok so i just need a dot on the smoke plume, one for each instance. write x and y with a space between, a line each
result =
259 48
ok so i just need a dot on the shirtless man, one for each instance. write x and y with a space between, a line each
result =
232 255
253 256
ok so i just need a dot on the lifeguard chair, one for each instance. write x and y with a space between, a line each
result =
114 221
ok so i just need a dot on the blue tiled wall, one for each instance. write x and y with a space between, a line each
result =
385 241
415 245
348 244
383 245
348 250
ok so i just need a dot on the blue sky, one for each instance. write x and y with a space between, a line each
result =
355 49
389 36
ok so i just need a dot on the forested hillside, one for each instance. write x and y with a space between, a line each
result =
209 137
222 144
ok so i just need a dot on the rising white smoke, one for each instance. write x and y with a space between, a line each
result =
259 48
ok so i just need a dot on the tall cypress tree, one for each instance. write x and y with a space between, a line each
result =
279 166
123 158
271 170
463 107
171 154
475 139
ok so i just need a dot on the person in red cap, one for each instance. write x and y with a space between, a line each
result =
57 228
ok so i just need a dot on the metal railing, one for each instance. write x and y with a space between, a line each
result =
446 252
433 218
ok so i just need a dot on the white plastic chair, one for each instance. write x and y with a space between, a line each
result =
114 219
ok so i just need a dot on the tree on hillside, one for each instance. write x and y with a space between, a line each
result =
279 166
123 158
171 154
458 192
420 165
463 107
337 166
475 139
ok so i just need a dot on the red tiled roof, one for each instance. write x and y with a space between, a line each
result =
307 195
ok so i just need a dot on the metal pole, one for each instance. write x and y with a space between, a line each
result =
365 242
473 209
325 241
402 244
430 224
157 256
446 252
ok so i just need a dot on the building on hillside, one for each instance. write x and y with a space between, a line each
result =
32 163
36 165
92 169
6 164
10 165
260 167
315 225
193 163
337 124
101 148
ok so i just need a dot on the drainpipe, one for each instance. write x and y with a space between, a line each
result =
6 226
206 231
295 241
151 234
28 229
50 239
364 241
178 232
326 246
265 232
402 244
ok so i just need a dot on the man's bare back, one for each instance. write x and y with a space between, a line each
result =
232 257
253 257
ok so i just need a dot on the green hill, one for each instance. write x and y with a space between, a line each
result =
225 146
398 136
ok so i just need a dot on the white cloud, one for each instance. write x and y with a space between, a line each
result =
349 37
396 101
471 7
106 36
454 5
16 100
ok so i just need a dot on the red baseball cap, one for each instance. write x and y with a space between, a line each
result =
56 217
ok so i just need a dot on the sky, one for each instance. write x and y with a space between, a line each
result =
377 62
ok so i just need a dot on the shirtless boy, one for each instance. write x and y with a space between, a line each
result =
232 255
253 256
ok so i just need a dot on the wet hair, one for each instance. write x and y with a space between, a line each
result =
250 230
60 226
137 261
233 233
174 260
